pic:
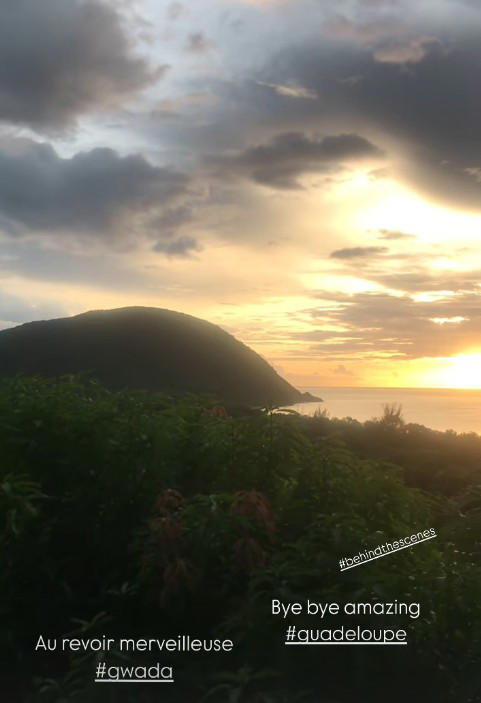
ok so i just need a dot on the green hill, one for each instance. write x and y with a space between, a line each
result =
146 348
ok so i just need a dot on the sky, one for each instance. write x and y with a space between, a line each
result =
305 174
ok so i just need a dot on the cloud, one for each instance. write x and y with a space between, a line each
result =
351 80
390 234
168 222
412 51
430 111
341 370
175 10
181 247
421 280
95 192
378 325
358 252
388 36
412 271
61 59
426 109
290 90
198 43
290 155
33 260
364 30
167 226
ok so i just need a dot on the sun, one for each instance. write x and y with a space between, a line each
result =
463 371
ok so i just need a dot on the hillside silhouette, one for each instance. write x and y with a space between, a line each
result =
146 349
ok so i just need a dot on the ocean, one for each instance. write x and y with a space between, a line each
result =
439 409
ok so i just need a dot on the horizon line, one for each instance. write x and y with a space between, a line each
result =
390 388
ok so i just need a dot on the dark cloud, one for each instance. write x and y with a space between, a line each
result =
358 252
33 260
287 156
166 228
60 59
171 219
431 109
96 191
181 247
390 39
426 111
198 43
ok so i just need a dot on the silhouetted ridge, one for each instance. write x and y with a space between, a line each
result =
146 348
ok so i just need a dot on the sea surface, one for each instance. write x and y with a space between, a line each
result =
439 409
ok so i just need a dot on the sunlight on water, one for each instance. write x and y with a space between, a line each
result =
440 409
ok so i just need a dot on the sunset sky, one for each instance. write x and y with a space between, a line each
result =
304 173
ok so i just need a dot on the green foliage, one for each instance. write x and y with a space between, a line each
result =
131 514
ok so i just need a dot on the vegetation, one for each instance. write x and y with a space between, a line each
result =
439 462
130 514
148 349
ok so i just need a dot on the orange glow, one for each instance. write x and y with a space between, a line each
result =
463 371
